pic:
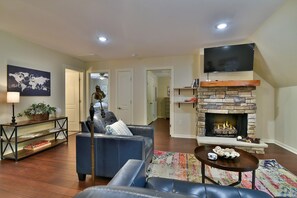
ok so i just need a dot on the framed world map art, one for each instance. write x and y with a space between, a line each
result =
29 82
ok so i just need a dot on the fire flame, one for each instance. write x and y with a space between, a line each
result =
225 125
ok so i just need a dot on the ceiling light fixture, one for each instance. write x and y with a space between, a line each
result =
102 39
222 26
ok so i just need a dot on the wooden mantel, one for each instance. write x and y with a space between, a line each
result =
230 83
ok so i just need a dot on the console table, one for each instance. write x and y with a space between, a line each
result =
13 135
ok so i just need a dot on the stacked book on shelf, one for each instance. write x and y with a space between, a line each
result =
31 135
54 130
37 145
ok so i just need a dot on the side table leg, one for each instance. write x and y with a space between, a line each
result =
253 179
203 172
239 177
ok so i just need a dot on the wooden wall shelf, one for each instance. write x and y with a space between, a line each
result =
230 83
186 88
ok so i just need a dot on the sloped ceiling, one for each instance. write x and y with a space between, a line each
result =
276 53
142 28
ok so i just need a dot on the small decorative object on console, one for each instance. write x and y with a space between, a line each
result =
195 83
227 153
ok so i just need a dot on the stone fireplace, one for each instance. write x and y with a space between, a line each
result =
229 101
227 109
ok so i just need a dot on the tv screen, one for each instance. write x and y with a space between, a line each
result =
230 58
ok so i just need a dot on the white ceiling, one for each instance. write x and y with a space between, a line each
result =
145 28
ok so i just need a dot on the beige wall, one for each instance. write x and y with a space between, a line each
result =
276 41
285 117
265 122
275 61
182 67
19 52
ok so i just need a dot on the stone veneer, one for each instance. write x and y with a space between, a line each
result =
227 100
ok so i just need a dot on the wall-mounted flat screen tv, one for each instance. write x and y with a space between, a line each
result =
230 58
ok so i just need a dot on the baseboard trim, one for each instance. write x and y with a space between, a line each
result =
183 136
272 141
287 147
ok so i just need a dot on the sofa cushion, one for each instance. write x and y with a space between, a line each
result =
118 128
99 122
98 126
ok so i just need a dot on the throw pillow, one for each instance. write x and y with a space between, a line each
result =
118 128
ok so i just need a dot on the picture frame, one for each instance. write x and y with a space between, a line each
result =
29 82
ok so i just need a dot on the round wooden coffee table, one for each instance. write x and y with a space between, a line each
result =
246 162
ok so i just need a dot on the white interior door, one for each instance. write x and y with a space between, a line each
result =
124 96
150 97
72 99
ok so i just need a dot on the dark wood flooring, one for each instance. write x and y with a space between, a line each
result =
52 173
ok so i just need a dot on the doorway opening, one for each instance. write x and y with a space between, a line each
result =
158 85
101 79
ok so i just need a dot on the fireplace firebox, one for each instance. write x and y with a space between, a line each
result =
226 125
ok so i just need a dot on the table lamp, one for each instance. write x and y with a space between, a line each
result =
13 97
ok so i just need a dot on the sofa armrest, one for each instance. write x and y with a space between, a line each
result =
142 130
131 174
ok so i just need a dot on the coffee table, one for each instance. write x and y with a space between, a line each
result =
246 162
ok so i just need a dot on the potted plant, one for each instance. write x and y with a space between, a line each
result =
38 111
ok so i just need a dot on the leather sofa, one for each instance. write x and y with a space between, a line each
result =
131 181
111 151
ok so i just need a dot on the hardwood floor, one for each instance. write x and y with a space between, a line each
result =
52 173
165 143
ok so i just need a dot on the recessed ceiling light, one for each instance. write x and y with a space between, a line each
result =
102 39
222 26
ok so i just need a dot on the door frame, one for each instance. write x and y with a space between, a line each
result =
171 68
132 93
88 73
80 92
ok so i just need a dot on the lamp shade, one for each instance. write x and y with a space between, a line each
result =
13 97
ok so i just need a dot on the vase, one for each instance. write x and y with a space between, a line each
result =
39 117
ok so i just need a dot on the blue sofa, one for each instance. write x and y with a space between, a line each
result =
131 181
111 151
